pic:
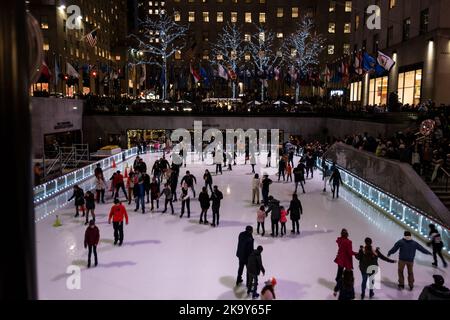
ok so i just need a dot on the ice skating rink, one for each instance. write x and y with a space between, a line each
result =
165 257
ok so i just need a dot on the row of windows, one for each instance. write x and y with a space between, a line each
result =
332 27
332 6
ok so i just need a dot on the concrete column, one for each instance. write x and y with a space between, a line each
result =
365 90
428 83
442 74
393 75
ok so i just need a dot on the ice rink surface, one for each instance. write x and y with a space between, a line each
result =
165 257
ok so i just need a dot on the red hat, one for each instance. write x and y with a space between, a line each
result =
272 281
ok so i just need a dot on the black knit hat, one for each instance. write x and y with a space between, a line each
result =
438 279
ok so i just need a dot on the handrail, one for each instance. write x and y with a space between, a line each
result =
62 183
447 176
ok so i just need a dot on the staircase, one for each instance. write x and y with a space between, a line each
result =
441 186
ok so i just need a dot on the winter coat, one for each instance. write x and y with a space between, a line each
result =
336 178
254 264
208 178
265 184
100 183
299 173
256 183
309 161
274 208
154 189
147 181
98 172
189 179
184 194
203 197
436 239
283 216
435 292
78 194
345 253
91 236
408 249
245 246
367 260
282 165
117 213
130 182
260 216
118 179
90 201
295 210
216 196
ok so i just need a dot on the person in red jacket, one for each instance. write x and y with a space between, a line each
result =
119 184
91 238
344 258
117 213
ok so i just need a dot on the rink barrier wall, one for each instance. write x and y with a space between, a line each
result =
398 210
51 188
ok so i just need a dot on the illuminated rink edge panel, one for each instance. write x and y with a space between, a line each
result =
401 212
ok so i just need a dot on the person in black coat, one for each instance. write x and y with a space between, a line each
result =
208 179
254 268
337 181
244 249
299 176
295 211
78 194
281 169
90 206
265 183
203 198
436 291
347 290
216 197
309 165
274 209
147 183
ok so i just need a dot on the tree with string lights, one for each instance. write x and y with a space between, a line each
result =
160 38
228 51
301 50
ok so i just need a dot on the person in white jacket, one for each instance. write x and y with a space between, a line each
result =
256 183
100 187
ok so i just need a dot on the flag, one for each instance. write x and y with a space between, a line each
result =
143 75
327 74
91 38
371 65
46 74
385 61
222 72
204 75
57 72
196 76
231 73
357 64
71 71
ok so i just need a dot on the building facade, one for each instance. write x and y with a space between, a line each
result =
100 64
417 35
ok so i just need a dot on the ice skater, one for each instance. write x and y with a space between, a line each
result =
190 180
344 258
274 210
90 206
208 179
299 176
260 218
100 187
119 184
336 180
256 183
326 173
265 185
437 245
167 192
139 193
244 249
154 193
91 239
254 268
117 214
203 198
295 210
78 194
185 201
283 220
216 198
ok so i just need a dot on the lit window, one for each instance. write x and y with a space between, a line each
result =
219 57
77 53
332 27
177 16
348 6
156 11
392 3
234 17
357 22
332 7
295 12
262 17
150 11
262 37
262 1
247 57
178 55
248 17
280 12
347 27
150 3
46 46
205 55
219 16
44 22
163 4
205 16
117 58
331 49
247 37
346 48
191 16
156 3
279 35
157 40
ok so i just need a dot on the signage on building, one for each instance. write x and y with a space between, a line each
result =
63 125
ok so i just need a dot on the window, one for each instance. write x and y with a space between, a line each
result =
347 27
331 49
262 1
247 37
150 3
234 16
219 16
424 21
346 48
205 36
406 29
348 6
247 56
410 87
46 45
205 16
178 55
262 37
279 35
150 11
378 91
177 16
44 22
262 17
248 17
205 55
248 1
390 36
332 7
295 12
331 27
392 4
357 21
310 11
280 12
355 91
191 16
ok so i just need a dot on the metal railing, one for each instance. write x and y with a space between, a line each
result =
62 183
403 213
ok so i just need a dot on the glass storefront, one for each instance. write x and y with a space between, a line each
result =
378 91
410 87
355 91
